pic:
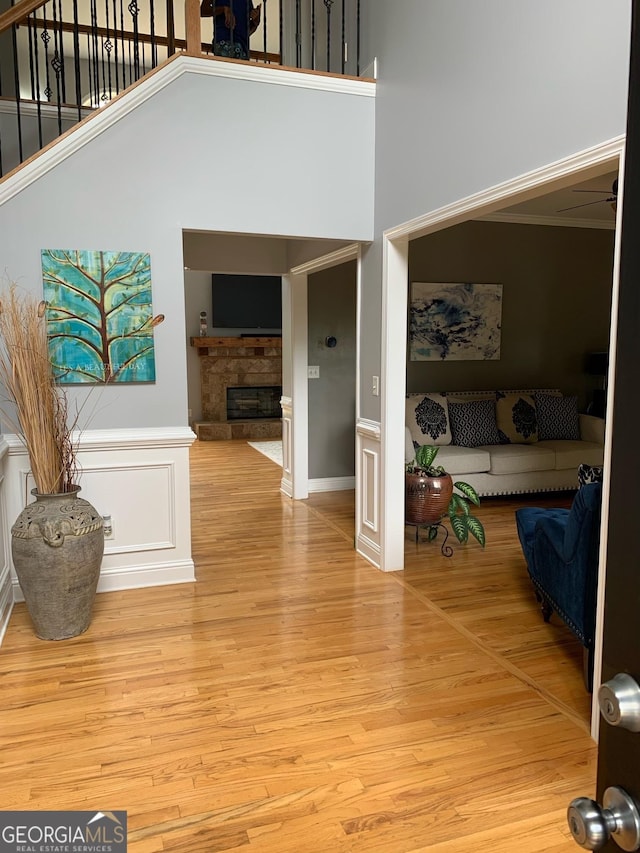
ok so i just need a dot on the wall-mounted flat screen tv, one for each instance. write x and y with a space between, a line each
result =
246 301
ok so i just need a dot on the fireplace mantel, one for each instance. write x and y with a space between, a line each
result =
204 344
236 362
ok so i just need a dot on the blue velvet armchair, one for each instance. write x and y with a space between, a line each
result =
561 549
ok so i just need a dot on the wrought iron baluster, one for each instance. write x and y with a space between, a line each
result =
96 65
115 44
298 35
33 23
154 44
313 34
103 70
264 29
134 10
358 38
46 38
124 48
108 46
56 64
76 58
328 4
248 30
280 29
344 43
16 79
62 64
30 31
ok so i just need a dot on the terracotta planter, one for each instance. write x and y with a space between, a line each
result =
57 545
427 498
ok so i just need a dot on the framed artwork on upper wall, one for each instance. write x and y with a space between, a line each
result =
454 322
99 317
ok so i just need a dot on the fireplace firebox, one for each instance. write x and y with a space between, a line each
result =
252 402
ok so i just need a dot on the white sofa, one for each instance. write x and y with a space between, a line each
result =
509 468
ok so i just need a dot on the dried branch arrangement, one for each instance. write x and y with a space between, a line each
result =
37 408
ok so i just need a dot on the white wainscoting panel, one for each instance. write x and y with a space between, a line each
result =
141 479
286 484
6 590
368 498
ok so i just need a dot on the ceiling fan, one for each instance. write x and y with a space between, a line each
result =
612 198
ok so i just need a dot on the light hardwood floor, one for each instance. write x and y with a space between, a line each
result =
296 700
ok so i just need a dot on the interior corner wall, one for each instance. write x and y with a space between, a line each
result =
332 397
197 298
556 303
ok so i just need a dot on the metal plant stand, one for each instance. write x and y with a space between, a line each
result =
445 550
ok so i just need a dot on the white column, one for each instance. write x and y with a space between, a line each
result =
395 271
295 408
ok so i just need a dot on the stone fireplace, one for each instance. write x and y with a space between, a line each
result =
249 371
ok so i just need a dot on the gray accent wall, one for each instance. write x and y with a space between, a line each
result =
470 95
332 397
556 303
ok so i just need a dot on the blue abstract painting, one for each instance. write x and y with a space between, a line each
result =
99 317
455 322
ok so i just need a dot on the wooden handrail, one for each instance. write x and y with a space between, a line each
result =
18 12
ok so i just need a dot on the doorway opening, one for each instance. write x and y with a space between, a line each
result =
401 246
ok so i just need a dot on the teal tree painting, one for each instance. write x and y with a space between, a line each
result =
99 316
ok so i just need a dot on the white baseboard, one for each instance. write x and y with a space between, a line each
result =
332 484
286 487
6 606
135 577
369 549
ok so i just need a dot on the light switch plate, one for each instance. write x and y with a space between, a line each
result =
313 371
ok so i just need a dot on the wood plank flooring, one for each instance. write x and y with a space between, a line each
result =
295 699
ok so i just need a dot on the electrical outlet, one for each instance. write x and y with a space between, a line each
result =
313 371
108 530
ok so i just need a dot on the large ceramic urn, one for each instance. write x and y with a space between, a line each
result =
427 498
57 544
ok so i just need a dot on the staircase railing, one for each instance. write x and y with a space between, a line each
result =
60 60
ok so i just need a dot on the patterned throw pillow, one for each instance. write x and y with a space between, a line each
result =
473 423
516 418
427 416
589 474
557 417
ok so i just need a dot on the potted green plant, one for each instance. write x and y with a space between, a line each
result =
430 496
57 542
